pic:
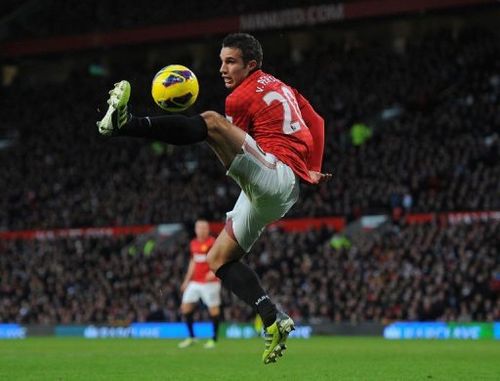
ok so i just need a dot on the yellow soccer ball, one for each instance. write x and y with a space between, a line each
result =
175 88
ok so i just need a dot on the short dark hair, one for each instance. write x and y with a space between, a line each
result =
250 47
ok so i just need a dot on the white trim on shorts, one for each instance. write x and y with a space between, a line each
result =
269 188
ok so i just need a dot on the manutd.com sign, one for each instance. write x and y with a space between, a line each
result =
292 17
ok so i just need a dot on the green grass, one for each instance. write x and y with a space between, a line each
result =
239 360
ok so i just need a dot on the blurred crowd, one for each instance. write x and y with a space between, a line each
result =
432 107
419 272
439 152
50 18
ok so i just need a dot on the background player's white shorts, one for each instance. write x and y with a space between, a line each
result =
269 189
208 292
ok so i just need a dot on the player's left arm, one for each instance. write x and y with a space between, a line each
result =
210 276
316 125
189 274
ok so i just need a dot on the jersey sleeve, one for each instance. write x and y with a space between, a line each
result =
237 112
316 126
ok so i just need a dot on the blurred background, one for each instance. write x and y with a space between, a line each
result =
95 231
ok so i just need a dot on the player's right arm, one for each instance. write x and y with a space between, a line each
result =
316 125
189 274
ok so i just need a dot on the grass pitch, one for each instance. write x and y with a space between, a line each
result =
238 360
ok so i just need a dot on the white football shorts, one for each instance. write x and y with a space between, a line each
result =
269 188
208 292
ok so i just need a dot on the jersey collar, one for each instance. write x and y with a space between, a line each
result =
251 78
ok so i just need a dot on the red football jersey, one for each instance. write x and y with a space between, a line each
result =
268 110
199 250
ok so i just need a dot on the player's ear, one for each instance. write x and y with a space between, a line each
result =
252 65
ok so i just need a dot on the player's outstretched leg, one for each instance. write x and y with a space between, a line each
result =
171 129
275 337
117 114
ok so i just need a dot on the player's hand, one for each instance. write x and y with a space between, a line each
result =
210 277
184 286
318 177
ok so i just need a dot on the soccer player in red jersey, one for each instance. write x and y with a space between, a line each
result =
270 140
200 283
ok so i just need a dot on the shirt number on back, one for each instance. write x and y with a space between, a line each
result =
291 123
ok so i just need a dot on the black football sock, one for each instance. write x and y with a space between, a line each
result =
172 129
244 283
189 323
215 323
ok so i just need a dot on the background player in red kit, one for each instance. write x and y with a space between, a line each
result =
200 283
271 140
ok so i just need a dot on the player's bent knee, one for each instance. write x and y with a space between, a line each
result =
215 259
212 260
216 123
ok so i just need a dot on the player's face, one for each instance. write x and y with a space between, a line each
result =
201 229
233 69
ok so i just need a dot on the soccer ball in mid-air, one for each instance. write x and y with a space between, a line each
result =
175 88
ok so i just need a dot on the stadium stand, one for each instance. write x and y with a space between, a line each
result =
38 19
415 272
441 153
432 107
